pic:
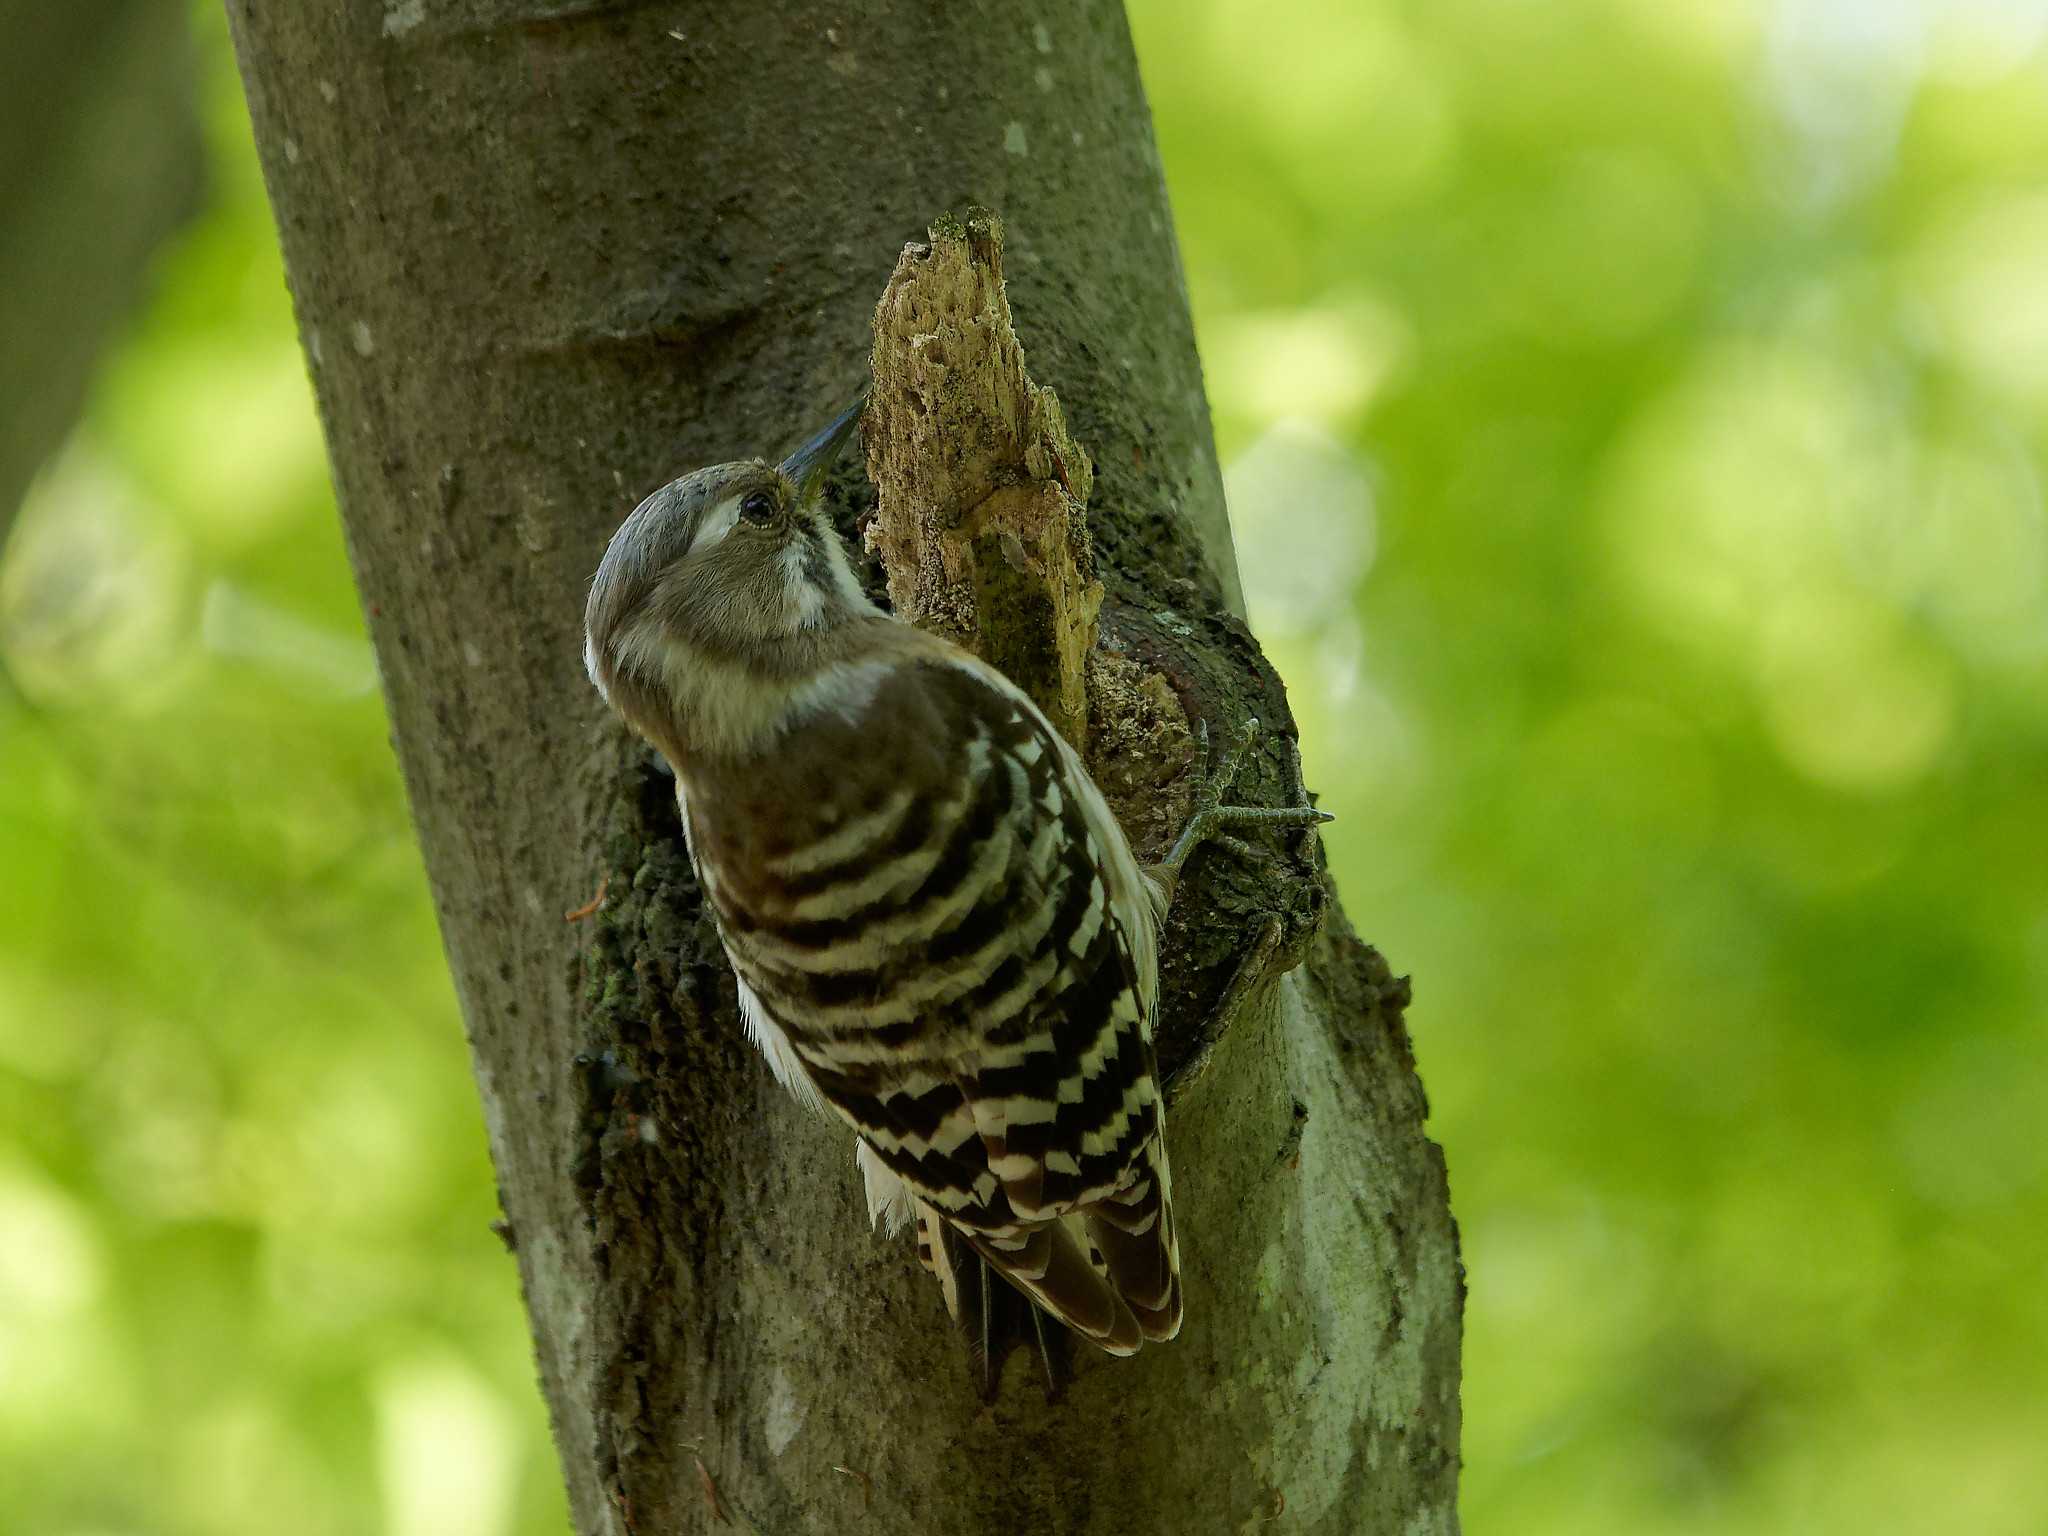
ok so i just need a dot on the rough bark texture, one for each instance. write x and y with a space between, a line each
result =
100 162
982 493
547 255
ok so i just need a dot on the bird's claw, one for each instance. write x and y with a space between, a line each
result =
1210 815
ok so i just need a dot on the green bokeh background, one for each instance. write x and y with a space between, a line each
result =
1633 413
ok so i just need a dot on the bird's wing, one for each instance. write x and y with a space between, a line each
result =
1041 1139
938 910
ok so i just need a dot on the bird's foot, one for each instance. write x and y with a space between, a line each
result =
1212 817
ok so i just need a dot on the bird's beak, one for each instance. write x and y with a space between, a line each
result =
808 464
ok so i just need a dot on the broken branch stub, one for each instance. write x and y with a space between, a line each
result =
982 523
982 530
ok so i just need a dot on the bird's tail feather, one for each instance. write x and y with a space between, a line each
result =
1132 1233
994 1315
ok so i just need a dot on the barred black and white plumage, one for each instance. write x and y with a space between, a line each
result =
940 932
951 943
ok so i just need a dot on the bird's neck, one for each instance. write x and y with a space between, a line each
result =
717 704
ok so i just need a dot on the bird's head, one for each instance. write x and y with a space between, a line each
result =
735 567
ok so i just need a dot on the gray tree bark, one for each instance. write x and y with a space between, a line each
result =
548 253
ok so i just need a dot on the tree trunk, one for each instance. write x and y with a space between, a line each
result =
549 253
102 162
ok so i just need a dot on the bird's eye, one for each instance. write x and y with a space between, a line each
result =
759 507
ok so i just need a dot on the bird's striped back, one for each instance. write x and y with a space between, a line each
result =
939 924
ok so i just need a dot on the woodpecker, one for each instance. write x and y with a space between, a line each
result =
940 932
